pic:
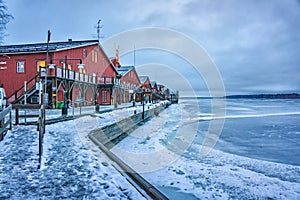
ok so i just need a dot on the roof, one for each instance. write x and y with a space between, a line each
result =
124 69
42 47
143 79
159 86
152 83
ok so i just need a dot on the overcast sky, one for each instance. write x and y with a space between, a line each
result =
255 44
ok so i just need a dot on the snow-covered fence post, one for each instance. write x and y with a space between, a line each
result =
41 129
4 124
17 116
80 105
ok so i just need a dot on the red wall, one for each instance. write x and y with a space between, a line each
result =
146 84
8 72
131 77
104 101
95 62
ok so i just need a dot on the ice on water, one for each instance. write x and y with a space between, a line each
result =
257 156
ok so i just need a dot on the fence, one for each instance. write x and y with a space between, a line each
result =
28 113
5 124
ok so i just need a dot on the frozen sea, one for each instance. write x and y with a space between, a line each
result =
257 155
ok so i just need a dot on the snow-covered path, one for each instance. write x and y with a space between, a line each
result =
69 171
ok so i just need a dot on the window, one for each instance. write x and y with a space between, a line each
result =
94 56
104 96
39 64
21 67
84 53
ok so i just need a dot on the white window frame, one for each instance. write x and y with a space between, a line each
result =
20 66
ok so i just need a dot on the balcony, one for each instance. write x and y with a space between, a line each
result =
107 82
67 74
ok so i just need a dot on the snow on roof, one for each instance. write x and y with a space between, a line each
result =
41 47
124 69
143 78
152 83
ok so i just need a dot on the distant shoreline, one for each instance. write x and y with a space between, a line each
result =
253 96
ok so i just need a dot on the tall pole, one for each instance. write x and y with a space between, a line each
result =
25 97
134 55
42 117
143 102
64 110
46 69
98 30
45 84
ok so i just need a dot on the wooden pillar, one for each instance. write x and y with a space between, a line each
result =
17 116
53 92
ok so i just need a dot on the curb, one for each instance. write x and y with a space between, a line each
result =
152 191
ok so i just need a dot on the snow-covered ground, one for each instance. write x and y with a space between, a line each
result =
69 170
72 166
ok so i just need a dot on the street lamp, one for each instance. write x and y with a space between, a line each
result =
80 66
51 66
143 102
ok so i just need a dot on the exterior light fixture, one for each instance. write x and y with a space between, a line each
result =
51 66
80 66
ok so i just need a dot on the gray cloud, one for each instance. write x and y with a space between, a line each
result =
255 44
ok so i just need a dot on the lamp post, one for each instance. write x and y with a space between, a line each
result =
46 64
143 102
64 108
116 86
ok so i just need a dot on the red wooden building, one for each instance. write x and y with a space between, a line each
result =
154 87
145 83
66 79
154 91
146 86
129 82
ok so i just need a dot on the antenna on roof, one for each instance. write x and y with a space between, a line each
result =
99 27
134 55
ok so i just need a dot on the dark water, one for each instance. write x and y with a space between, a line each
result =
260 128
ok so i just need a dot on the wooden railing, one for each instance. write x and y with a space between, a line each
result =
5 124
68 74
26 115
106 80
